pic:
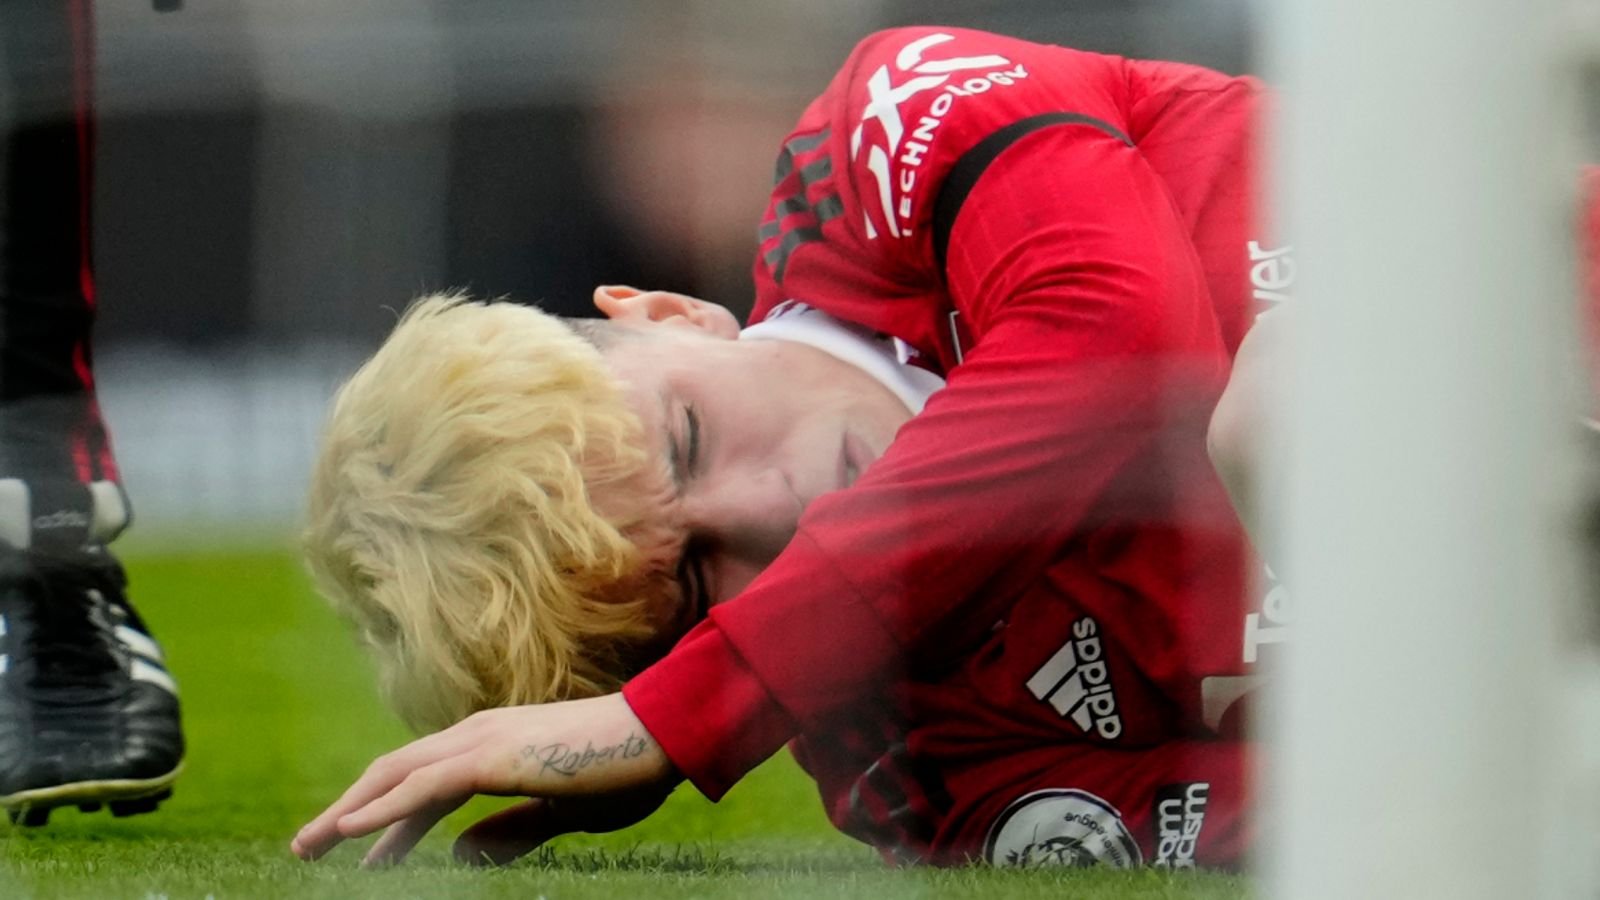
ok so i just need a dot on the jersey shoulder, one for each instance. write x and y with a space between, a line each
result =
917 100
858 180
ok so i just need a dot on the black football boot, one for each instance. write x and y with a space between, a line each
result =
88 711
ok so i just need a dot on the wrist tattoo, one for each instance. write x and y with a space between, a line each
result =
564 759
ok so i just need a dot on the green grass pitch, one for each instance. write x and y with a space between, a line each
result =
281 715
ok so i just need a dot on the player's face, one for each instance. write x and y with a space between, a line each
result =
752 432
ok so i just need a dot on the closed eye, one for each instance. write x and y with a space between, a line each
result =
684 450
692 428
683 446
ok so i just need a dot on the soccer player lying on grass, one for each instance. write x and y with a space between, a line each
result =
1012 625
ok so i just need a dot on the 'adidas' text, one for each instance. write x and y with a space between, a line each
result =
1077 682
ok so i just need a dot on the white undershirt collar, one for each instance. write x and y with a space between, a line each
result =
861 347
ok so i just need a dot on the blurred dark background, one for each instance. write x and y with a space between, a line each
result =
281 168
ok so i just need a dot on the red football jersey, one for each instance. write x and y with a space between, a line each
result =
1021 634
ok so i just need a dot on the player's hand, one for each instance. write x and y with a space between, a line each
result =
557 750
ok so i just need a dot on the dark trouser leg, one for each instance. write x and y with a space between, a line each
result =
88 711
52 437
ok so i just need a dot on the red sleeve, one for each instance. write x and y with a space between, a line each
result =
1178 806
1086 303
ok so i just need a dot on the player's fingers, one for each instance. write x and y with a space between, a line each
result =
441 782
402 837
508 834
322 833
318 837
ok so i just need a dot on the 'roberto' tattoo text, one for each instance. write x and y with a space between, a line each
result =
563 759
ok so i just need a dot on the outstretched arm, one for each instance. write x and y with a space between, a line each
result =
594 749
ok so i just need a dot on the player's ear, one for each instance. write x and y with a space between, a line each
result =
626 304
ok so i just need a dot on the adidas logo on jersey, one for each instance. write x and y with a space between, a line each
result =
1077 682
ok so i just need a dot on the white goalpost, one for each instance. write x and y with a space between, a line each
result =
1424 742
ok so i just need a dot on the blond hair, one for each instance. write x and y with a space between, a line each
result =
450 516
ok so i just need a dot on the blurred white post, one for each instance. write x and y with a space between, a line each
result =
1420 742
